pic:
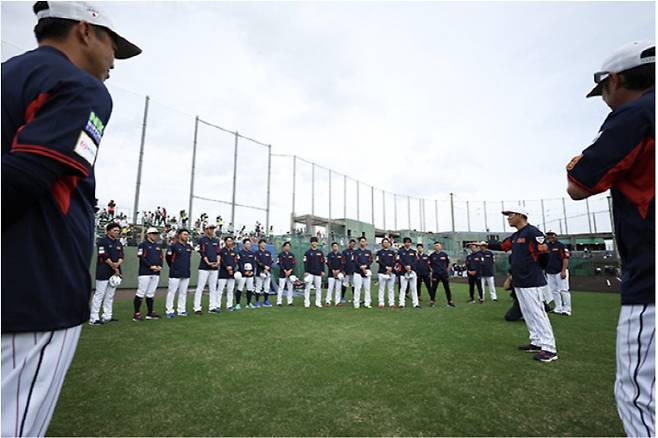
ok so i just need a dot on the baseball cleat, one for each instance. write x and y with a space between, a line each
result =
182 313
250 306
480 301
471 301
170 315
237 307
267 304
451 304
530 348
291 304
198 312
417 306
229 309
257 305
339 304
381 306
152 315
401 306
545 356
327 304
96 322
368 306
279 304
138 317
107 320
215 310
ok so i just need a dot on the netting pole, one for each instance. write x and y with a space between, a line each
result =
196 130
484 205
235 177
436 214
468 215
502 208
395 211
384 208
594 222
329 195
344 196
420 215
560 222
372 204
294 187
564 211
543 216
269 179
452 211
358 206
312 189
589 219
141 161
409 212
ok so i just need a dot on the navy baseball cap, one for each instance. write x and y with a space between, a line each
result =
92 14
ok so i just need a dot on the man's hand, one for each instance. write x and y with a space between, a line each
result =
563 274
472 273
389 269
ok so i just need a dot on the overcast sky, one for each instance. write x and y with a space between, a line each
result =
485 100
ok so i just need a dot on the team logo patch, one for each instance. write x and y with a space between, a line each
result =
95 128
574 161
520 240
540 239
86 148
140 252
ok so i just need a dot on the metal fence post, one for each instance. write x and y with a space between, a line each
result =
484 205
395 211
294 183
358 202
420 214
589 219
196 129
141 160
269 179
312 189
543 216
612 227
329 195
372 204
344 196
452 211
384 208
468 215
502 208
409 211
436 214
564 211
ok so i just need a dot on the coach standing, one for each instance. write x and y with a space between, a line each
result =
622 159
313 267
407 259
474 273
488 263
287 263
439 263
208 270
150 257
178 258
54 111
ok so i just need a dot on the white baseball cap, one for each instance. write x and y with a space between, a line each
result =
518 210
625 58
152 230
92 14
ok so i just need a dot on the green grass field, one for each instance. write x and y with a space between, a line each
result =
343 372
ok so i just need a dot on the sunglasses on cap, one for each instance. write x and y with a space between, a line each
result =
601 76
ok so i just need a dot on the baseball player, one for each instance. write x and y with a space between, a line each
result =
439 262
422 269
487 279
263 273
287 263
529 255
54 111
228 266
622 158
313 272
385 259
150 258
334 283
474 273
362 274
557 274
247 267
178 258
208 269
406 261
110 258
349 267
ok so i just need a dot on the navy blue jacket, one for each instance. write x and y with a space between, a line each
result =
474 263
263 258
407 257
487 263
149 254
422 267
349 266
53 118
314 262
247 262
111 249
386 259
178 259
556 253
529 253
227 258
334 261
362 257
622 158
208 247
287 261
440 264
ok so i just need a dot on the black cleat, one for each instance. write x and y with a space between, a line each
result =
530 348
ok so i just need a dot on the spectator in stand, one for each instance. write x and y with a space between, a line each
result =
111 208
220 223
184 218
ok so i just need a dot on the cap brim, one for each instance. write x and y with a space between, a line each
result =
507 212
125 49
596 91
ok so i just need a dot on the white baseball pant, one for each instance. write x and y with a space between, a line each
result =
206 276
560 290
283 282
177 285
531 302
636 369
412 289
489 281
34 365
146 285
386 284
317 282
359 282
104 295
248 281
333 285
229 283
263 284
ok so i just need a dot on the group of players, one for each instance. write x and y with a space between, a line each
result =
250 272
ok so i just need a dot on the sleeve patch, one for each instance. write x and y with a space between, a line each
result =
86 148
140 251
